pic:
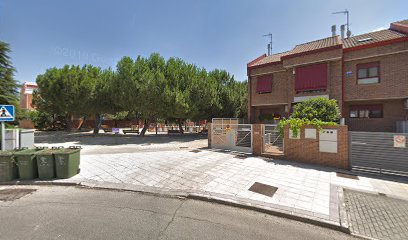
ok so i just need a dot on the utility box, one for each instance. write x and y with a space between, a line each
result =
310 133
11 137
328 141
27 138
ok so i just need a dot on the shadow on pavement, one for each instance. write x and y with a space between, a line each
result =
108 139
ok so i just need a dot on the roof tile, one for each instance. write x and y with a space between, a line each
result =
318 44
372 37
270 59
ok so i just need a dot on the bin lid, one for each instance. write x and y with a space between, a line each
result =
47 152
67 150
7 153
31 151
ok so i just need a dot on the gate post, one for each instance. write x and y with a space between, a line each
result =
257 139
209 134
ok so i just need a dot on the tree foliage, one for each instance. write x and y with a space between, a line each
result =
316 112
150 88
320 108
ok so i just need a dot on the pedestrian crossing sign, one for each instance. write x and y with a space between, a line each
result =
6 113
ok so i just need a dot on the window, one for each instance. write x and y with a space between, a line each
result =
264 84
366 111
368 73
311 78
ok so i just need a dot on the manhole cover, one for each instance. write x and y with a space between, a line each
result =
195 151
241 156
14 194
345 175
263 189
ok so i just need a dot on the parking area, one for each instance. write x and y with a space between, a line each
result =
104 143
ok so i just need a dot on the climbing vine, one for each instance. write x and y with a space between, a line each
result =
296 124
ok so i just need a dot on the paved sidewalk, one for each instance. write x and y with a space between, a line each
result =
377 216
303 190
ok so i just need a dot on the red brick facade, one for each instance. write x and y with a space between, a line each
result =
388 48
307 150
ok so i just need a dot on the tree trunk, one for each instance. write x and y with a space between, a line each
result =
69 122
96 126
82 123
145 127
156 126
181 127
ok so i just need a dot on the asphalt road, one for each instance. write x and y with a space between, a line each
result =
75 213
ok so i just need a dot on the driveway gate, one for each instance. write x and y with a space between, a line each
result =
379 152
229 135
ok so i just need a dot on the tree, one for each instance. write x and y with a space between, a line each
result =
100 95
8 85
317 108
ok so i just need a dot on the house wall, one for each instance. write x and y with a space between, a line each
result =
393 73
289 62
393 111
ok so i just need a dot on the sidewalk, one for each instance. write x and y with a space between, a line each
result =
304 191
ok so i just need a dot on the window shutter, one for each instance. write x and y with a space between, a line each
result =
313 77
264 84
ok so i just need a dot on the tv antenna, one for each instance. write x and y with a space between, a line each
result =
269 44
348 20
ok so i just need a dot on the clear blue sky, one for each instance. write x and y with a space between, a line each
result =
210 33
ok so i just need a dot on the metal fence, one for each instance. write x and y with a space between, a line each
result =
231 136
379 152
272 141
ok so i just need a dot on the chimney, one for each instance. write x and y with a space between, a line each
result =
269 49
348 33
342 29
333 29
401 26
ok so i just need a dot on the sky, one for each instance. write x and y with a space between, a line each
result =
223 34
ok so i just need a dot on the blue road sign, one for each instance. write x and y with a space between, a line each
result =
6 113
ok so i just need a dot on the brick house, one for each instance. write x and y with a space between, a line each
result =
367 74
26 95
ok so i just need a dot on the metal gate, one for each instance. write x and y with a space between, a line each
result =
379 152
232 136
272 141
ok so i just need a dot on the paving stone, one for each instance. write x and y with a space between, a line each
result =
376 216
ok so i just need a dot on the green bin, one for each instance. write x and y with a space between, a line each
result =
8 167
27 164
67 162
46 164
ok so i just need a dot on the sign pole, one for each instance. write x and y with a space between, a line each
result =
3 134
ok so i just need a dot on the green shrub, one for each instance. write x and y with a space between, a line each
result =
317 112
320 108
41 120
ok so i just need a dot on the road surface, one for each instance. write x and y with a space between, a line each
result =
53 212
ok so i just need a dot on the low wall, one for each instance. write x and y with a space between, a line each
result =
308 150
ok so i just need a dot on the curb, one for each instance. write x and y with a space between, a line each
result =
279 211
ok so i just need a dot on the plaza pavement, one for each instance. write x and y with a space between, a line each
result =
304 191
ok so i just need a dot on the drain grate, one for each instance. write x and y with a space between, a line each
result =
263 189
241 156
182 147
345 175
14 194
195 151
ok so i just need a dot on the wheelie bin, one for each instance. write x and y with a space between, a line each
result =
27 163
46 163
67 162
8 166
